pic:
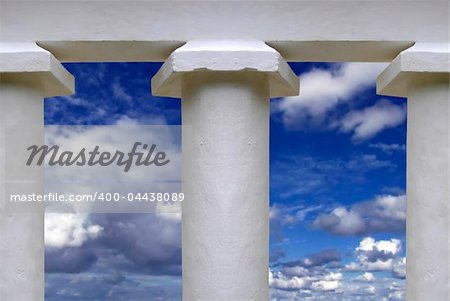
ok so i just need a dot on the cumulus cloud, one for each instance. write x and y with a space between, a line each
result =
135 243
119 255
91 180
367 276
279 281
111 285
399 268
386 213
366 123
107 91
319 259
398 295
321 276
307 275
375 255
148 243
320 283
69 230
369 244
128 243
341 221
119 93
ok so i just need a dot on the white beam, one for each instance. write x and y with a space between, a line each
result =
300 30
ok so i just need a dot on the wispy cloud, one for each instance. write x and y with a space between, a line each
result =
291 215
322 90
325 96
389 148
306 175
107 91
366 123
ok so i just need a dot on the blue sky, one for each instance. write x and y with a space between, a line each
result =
337 167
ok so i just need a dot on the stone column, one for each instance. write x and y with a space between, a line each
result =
421 74
225 88
27 74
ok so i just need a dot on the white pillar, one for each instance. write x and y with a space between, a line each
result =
428 227
21 234
422 75
28 73
225 88
226 180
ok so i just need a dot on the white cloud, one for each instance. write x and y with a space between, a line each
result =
399 268
367 276
389 148
369 244
386 213
321 91
375 255
291 215
366 123
344 221
280 281
329 280
398 295
321 283
326 286
69 230
89 180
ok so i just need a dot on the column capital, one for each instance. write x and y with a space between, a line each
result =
29 62
423 62
225 56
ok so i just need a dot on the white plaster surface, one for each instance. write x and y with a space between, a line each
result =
226 181
421 74
21 234
28 73
422 61
299 30
428 193
225 56
225 88
225 216
27 61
